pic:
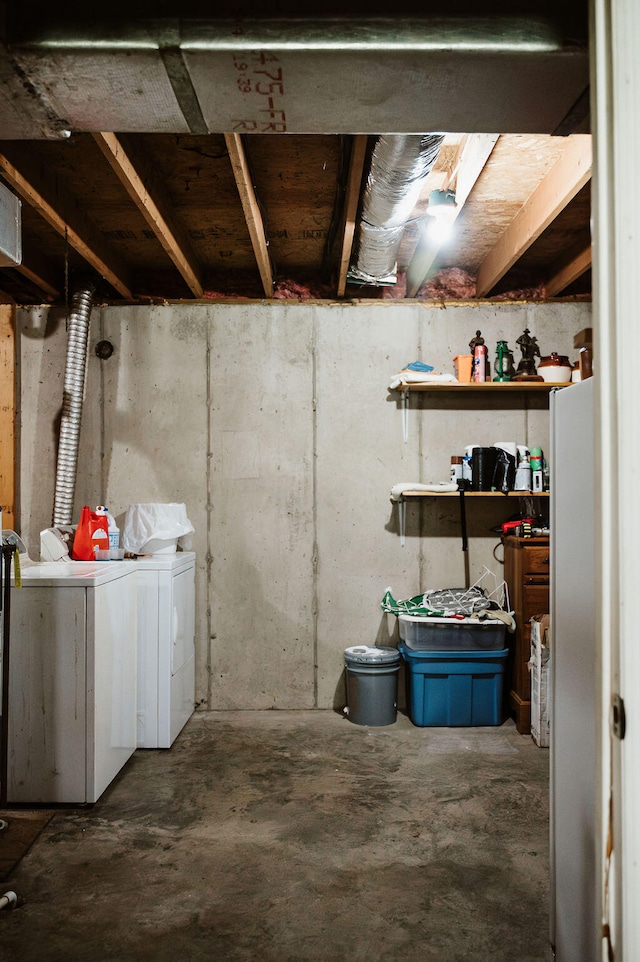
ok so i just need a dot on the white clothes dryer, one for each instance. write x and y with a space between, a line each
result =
166 646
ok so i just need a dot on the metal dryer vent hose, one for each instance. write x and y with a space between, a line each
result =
399 168
73 397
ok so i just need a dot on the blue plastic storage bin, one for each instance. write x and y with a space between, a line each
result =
454 688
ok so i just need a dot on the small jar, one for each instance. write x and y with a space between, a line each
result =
555 368
586 362
456 469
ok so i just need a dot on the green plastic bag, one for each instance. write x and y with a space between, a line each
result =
412 606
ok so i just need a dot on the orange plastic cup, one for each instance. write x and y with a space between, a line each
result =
464 364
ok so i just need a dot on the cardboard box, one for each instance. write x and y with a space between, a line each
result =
540 667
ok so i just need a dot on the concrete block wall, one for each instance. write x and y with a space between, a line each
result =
273 423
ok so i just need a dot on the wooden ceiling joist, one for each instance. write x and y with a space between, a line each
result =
567 176
168 234
40 272
251 210
571 271
352 196
42 191
474 154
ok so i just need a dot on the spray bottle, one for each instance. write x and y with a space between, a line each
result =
537 463
480 358
523 470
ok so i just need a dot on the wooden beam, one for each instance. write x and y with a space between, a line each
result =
567 176
39 188
39 271
474 155
168 234
352 198
571 271
251 210
8 415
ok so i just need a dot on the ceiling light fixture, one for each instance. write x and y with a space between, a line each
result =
441 213
442 203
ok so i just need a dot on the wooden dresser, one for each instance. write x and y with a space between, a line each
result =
526 571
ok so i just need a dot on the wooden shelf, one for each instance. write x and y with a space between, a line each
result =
517 387
475 494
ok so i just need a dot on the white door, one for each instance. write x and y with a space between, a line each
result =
616 239
573 652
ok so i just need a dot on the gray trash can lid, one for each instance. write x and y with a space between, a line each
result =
371 655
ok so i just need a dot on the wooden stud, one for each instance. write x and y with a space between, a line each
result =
352 198
8 415
177 249
567 176
42 191
576 267
251 210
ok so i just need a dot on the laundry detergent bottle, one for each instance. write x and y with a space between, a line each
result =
113 530
100 534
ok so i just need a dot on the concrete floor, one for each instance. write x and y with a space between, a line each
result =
298 837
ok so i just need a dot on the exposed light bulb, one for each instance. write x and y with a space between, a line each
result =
438 229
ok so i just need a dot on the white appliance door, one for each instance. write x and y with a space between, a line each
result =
183 619
111 681
573 658
48 695
182 651
149 659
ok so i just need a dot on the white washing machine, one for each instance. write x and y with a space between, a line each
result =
72 680
166 646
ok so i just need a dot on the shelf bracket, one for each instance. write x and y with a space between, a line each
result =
402 511
405 415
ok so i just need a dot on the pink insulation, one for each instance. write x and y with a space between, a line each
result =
455 284
522 294
292 290
215 295
450 282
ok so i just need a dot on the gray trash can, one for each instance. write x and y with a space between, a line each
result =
372 684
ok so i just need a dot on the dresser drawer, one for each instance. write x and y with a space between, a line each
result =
535 601
535 580
536 560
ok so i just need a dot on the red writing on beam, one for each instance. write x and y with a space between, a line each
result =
250 66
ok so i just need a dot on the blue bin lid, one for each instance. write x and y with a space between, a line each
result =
371 655
451 654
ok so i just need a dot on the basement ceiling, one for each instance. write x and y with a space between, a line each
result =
167 156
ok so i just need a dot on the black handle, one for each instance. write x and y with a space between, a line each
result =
463 520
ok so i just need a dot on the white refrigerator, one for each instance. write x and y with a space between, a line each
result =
573 684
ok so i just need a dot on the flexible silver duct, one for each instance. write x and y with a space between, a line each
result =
73 397
399 166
